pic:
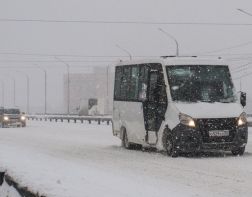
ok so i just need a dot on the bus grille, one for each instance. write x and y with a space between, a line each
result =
206 125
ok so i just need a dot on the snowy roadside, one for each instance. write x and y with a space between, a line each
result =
7 191
76 160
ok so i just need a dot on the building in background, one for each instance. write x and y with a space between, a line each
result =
95 84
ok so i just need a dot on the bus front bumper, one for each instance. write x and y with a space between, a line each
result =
188 139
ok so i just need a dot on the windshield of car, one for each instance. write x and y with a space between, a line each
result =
11 111
200 83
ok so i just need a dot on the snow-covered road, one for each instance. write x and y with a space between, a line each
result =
78 160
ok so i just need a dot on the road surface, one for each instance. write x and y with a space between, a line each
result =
79 160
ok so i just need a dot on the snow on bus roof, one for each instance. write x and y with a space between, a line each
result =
181 60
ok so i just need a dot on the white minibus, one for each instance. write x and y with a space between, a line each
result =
178 104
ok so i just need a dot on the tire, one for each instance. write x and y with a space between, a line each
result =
238 151
125 142
169 145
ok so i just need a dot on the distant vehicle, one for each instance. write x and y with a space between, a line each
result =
12 117
96 106
178 104
92 106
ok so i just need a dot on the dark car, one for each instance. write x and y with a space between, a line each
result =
12 117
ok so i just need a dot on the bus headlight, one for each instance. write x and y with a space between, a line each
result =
6 118
186 120
242 120
23 118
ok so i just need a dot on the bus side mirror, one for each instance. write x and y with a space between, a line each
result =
243 98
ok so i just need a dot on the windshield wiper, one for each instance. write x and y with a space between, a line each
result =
208 101
225 101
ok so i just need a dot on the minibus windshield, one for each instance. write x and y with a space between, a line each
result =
11 111
200 83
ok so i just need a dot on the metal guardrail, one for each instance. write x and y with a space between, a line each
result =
75 119
22 191
82 119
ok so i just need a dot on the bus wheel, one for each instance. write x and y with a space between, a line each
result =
125 142
238 151
169 145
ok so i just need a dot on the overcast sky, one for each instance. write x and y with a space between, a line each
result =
101 39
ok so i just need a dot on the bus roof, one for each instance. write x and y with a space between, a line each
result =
171 61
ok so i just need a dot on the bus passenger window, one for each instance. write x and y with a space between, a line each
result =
133 91
142 85
125 83
143 92
118 78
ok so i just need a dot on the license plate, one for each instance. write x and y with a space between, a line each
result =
218 133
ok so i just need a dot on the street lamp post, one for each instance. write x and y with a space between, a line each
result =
244 12
68 80
27 92
14 91
2 83
45 90
173 38
119 47
107 96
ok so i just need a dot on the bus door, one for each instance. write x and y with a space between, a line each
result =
156 103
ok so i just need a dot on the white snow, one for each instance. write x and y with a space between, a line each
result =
8 191
79 160
209 110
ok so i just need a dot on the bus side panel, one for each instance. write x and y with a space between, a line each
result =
132 119
116 118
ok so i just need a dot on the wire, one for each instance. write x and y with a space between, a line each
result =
241 66
69 55
246 75
49 61
111 56
46 66
241 70
231 47
122 22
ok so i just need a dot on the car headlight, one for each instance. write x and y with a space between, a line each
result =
6 118
23 118
242 120
186 120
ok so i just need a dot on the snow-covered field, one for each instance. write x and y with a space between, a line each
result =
79 160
